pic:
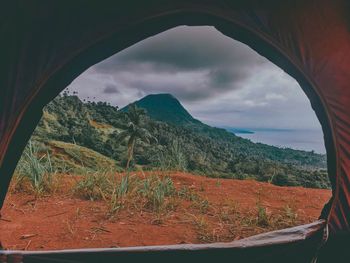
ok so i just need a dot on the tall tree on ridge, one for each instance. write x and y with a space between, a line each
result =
134 131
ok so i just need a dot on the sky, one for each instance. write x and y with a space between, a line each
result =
220 81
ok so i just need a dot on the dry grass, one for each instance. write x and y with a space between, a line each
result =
154 193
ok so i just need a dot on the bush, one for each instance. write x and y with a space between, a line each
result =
173 157
122 187
262 218
36 168
281 179
94 186
156 189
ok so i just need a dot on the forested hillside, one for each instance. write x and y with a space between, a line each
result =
181 143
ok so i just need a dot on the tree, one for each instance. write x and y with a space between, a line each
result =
134 131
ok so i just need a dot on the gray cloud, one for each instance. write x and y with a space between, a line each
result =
220 63
180 49
220 81
110 89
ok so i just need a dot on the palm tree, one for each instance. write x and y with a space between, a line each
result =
135 131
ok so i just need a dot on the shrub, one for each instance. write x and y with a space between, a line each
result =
173 158
262 218
122 187
94 186
202 205
36 168
188 194
155 190
290 215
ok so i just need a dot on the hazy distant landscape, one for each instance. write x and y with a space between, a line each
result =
299 139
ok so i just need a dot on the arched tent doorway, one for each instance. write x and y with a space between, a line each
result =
51 44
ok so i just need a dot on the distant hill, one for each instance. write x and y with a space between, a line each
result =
165 107
184 143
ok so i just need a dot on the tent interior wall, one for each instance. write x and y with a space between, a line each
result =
45 46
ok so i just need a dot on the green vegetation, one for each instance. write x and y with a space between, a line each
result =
72 158
165 108
93 186
36 169
134 131
76 132
150 193
262 218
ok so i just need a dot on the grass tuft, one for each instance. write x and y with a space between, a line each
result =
36 169
94 186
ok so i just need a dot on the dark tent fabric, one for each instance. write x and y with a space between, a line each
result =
46 44
300 241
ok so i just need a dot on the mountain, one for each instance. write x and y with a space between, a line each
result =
165 107
183 143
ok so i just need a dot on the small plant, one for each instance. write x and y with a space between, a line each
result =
121 189
262 218
202 188
202 205
186 193
18 182
178 158
203 232
156 190
94 186
230 212
173 158
162 160
36 168
290 214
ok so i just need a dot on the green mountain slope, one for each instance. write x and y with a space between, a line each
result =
166 108
183 142
72 158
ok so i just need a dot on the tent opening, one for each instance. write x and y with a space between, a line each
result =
186 137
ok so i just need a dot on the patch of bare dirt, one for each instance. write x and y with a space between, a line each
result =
227 210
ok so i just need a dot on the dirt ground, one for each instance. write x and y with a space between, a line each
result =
62 221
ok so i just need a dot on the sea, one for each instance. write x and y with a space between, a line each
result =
299 139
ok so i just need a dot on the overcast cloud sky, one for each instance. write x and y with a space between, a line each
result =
220 81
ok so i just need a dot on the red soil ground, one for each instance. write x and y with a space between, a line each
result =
61 221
